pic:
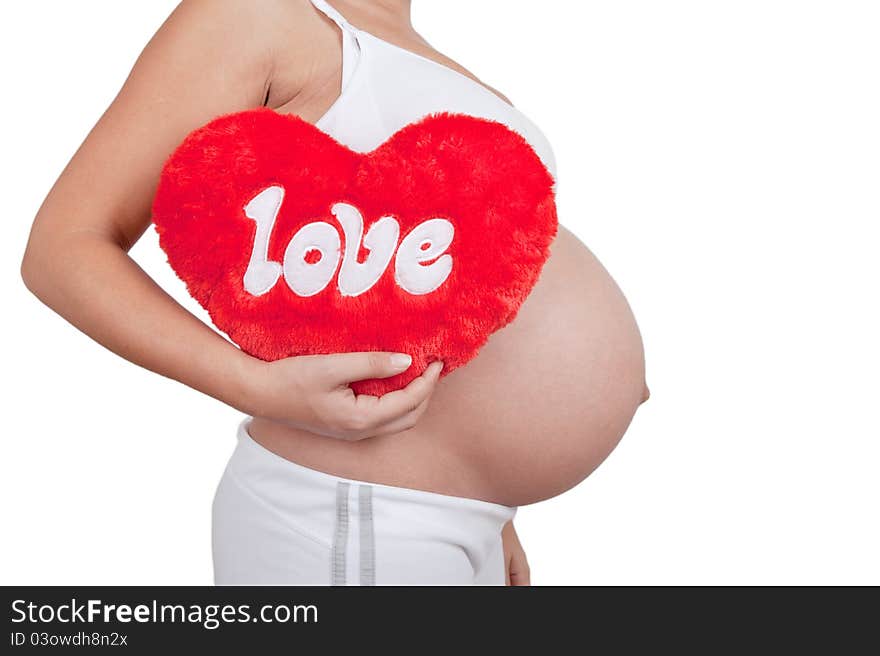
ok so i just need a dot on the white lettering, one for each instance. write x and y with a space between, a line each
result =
318 242
261 274
426 242
355 277
313 254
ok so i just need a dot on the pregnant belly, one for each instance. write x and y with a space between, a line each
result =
538 409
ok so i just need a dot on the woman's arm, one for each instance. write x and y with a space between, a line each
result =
209 58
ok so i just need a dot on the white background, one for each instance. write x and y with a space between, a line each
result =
721 158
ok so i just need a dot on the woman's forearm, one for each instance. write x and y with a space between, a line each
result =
76 262
89 279
92 282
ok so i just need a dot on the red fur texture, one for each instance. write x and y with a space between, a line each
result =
476 173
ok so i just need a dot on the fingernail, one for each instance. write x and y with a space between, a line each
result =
401 361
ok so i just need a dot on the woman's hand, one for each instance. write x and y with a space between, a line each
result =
313 393
515 563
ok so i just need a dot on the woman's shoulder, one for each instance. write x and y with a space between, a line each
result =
270 18
249 39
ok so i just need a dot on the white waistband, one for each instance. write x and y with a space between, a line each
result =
268 460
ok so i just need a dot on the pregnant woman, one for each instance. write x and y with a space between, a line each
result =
325 486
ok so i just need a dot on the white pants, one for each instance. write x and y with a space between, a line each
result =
277 522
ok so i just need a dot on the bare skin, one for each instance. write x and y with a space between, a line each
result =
541 406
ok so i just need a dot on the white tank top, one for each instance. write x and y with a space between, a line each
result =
386 87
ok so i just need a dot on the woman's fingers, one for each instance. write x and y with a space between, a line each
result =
518 569
340 412
405 422
366 416
313 392
516 566
344 368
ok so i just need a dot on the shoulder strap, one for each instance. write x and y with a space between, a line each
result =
351 42
324 7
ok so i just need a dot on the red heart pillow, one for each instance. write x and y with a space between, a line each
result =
297 245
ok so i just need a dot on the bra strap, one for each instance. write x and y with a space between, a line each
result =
324 7
351 43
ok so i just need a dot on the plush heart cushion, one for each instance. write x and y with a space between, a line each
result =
296 245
